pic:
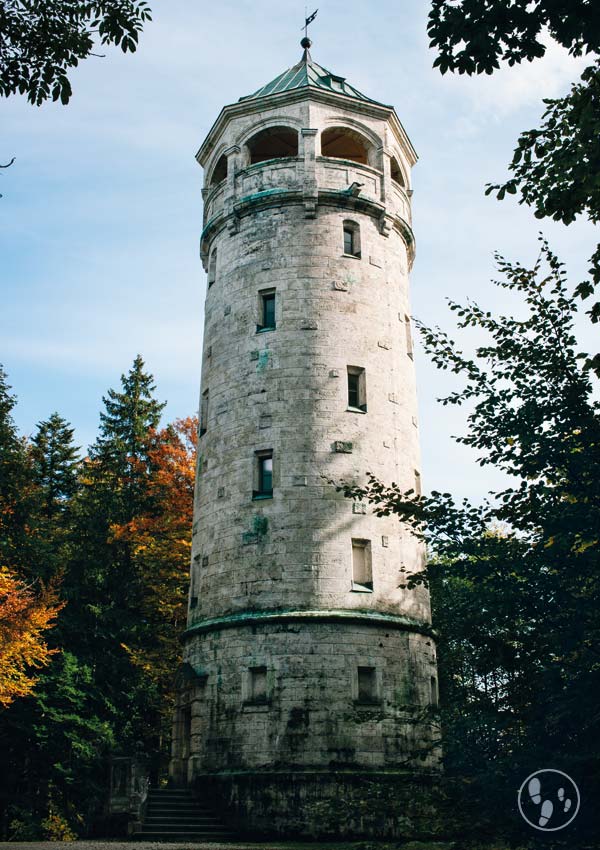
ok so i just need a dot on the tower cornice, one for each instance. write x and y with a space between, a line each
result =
276 101
254 618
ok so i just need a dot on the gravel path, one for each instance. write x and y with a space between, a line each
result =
183 845
119 844
146 845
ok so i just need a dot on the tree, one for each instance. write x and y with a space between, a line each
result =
18 493
160 541
515 581
116 529
555 166
103 582
24 616
55 464
42 40
120 455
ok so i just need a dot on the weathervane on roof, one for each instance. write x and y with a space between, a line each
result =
306 40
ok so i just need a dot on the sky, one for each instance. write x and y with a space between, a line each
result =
102 210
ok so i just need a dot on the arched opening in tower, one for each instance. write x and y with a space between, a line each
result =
219 171
273 143
343 143
397 175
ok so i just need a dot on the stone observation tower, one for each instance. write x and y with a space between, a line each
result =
308 690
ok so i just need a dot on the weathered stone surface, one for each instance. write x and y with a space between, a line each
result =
275 597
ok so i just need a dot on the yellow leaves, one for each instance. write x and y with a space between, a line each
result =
24 615
584 545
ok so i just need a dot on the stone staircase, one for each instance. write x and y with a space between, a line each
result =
176 815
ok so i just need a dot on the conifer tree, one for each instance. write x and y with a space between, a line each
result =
104 582
119 458
54 466
55 462
17 494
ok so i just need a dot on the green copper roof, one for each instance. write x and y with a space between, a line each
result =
308 74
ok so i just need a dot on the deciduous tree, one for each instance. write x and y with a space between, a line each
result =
515 581
41 41
26 613
554 167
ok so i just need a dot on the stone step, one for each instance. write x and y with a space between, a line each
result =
181 810
196 821
171 826
177 815
175 807
185 836
171 795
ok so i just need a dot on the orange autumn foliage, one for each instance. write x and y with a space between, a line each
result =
24 616
160 543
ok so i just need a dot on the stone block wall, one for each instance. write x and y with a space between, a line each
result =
307 693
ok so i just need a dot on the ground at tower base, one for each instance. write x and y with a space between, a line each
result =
357 845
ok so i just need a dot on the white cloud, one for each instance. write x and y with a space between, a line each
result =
510 89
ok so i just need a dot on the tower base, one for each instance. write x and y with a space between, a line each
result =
328 805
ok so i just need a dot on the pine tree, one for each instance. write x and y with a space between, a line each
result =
104 584
55 464
17 493
120 454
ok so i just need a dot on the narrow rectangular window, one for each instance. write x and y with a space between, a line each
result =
204 413
409 342
258 684
362 565
357 390
417 482
367 685
266 311
263 481
348 241
212 268
351 239
434 692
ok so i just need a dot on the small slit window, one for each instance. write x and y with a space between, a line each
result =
351 239
357 389
434 692
212 268
367 689
409 340
258 684
203 414
263 476
255 686
418 490
362 566
267 311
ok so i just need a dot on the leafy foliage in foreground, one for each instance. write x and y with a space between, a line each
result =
41 41
555 166
515 582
